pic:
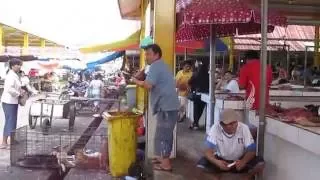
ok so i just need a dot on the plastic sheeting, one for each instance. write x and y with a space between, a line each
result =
105 59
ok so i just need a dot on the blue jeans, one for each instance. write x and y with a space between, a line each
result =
11 115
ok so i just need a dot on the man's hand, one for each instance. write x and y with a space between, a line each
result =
240 165
134 80
141 83
223 165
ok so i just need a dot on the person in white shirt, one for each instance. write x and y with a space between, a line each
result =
228 84
95 90
25 83
231 148
10 100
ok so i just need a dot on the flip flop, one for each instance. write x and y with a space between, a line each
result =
2 146
158 167
155 161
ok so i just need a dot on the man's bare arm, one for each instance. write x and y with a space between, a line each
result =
144 84
209 154
248 156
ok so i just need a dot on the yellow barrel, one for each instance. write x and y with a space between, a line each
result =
122 139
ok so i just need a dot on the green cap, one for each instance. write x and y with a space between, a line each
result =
146 42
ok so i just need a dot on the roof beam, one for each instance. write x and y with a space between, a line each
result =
274 39
295 8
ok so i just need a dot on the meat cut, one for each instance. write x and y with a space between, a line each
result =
300 116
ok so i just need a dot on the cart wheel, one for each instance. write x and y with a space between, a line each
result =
32 121
45 126
78 106
72 116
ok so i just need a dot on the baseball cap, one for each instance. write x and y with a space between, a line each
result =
229 116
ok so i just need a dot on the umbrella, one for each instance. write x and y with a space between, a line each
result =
208 19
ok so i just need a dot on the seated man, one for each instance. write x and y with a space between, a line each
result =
228 84
231 148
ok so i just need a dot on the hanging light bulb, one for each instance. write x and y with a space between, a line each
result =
20 19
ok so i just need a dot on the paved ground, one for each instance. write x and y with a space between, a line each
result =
22 121
190 149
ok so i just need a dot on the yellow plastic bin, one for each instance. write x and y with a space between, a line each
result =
122 141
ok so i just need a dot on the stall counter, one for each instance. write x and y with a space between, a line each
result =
220 104
291 151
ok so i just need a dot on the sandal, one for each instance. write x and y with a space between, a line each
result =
158 167
3 146
155 161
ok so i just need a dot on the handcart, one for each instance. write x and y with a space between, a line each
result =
50 108
106 103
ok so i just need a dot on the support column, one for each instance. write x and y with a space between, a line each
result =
316 59
164 29
25 44
141 92
231 53
1 40
164 35
42 46
263 83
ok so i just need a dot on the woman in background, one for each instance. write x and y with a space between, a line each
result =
199 83
95 90
10 100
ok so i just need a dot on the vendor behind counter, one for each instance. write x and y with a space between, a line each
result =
228 83
250 79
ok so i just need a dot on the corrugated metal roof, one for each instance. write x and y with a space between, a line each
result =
282 33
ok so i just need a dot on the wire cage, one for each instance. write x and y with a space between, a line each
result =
33 149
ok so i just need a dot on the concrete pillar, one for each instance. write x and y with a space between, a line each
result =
141 92
25 44
1 40
42 46
316 59
231 53
164 35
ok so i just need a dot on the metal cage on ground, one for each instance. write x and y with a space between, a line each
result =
33 149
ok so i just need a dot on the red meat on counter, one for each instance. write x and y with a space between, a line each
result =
299 116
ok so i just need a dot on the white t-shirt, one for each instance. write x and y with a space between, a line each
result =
230 147
96 86
232 86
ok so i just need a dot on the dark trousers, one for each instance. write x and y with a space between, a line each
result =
198 107
11 115
205 163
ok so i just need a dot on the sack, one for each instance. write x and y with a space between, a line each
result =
193 96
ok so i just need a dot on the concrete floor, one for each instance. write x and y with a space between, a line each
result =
189 150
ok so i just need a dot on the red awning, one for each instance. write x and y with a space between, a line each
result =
229 17
289 32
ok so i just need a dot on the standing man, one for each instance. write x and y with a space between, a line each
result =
164 102
250 80
182 83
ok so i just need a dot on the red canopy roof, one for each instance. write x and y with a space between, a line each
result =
229 17
289 32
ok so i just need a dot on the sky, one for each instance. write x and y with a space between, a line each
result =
74 23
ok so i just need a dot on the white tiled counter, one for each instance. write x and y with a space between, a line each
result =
292 152
220 104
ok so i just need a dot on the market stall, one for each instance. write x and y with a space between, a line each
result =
290 148
236 101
